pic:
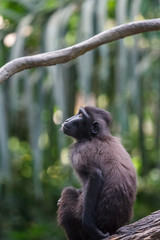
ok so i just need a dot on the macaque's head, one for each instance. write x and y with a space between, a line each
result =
89 122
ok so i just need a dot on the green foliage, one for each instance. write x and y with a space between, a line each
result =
122 77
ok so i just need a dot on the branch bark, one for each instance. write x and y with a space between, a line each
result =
146 228
67 54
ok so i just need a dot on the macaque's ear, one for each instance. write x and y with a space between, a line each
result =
95 128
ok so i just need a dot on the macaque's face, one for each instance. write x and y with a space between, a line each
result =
80 126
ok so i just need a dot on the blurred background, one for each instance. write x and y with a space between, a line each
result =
122 77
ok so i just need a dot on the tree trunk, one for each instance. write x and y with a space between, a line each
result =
146 228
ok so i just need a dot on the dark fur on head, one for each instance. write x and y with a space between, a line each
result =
99 114
102 117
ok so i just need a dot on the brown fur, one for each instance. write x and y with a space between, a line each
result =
116 195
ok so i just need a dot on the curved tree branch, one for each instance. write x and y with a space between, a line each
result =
67 54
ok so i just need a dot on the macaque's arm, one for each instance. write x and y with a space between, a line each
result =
91 193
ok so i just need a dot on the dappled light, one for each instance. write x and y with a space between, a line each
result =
58 117
65 156
10 39
2 23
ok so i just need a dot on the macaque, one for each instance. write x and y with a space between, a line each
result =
108 178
